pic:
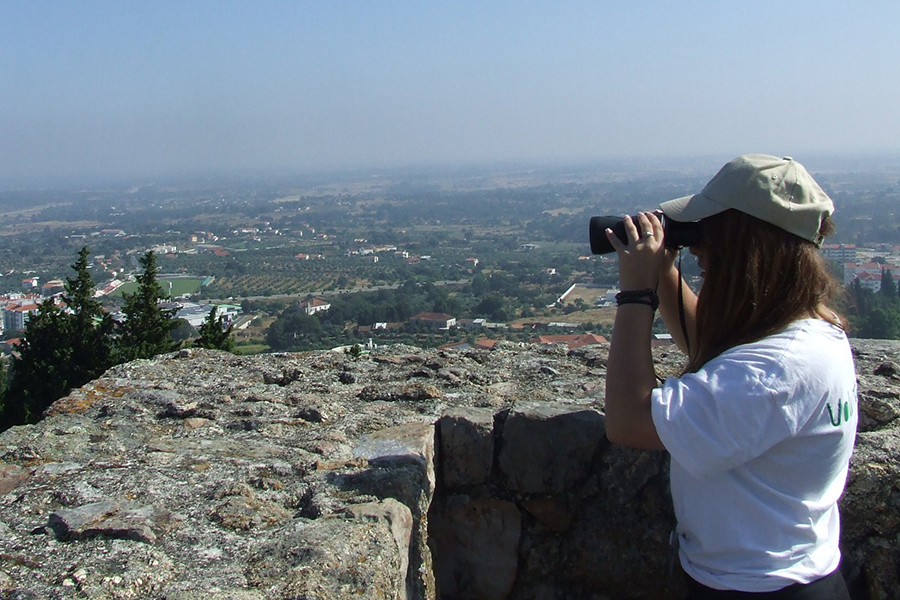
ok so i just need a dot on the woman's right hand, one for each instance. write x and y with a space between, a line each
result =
644 257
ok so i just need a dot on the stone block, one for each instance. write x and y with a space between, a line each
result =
399 519
548 448
408 443
339 557
476 548
402 467
467 447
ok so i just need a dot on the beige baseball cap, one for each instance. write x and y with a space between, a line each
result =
776 190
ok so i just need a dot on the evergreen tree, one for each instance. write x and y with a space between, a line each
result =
493 306
888 287
214 334
147 330
2 382
92 328
61 349
861 298
183 331
41 373
874 315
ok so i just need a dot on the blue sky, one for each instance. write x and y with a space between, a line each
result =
119 88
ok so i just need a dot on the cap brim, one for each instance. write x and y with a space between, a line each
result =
691 208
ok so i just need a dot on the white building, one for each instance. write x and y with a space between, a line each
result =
841 253
314 305
196 314
869 274
16 315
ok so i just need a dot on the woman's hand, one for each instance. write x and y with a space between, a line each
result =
644 257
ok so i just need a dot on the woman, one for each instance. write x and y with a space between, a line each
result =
761 424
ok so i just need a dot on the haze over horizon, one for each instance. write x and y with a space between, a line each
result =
121 89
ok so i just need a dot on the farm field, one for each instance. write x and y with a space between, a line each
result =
589 295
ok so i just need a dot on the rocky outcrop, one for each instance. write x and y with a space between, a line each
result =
400 474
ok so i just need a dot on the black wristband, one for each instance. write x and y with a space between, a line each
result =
644 301
645 296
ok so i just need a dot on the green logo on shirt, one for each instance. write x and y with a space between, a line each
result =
843 413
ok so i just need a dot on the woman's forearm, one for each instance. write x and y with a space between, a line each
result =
630 378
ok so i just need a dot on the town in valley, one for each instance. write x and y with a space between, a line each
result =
431 258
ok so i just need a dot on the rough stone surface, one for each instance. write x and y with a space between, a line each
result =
467 446
402 461
401 474
112 520
548 448
478 540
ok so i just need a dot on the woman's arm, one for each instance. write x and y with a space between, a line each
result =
630 377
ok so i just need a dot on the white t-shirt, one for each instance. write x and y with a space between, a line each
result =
760 439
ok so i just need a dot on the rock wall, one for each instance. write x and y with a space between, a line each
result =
402 474
562 513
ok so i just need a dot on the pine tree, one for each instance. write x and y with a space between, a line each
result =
888 287
61 349
861 298
147 329
41 372
214 334
2 383
91 327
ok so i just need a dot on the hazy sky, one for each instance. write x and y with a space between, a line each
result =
120 88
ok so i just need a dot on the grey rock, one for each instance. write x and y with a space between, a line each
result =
311 414
478 542
112 520
411 442
408 393
207 475
467 446
877 410
11 477
245 511
342 556
888 369
400 521
59 468
551 513
547 448
403 461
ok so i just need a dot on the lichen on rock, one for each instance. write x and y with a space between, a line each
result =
404 473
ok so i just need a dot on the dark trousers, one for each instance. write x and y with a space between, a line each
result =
830 587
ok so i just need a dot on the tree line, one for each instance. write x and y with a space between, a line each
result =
497 297
65 346
874 315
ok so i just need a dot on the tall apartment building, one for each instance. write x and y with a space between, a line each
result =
840 253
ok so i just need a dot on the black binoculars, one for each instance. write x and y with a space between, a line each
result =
676 234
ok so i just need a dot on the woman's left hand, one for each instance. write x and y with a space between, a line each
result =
642 259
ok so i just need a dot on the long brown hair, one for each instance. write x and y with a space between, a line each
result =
759 279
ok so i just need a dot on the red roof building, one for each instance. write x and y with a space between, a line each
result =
437 320
314 305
